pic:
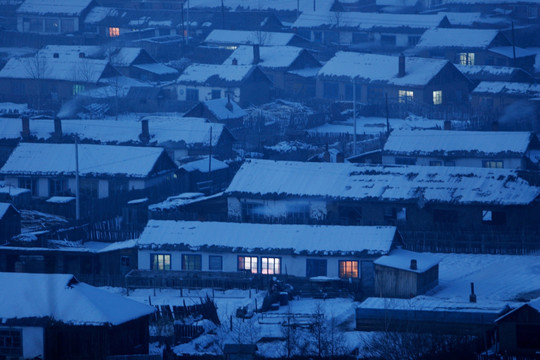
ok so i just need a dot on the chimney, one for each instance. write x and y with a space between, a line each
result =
228 105
256 54
326 156
57 127
414 264
401 69
472 297
235 61
447 125
145 133
56 55
25 127
82 55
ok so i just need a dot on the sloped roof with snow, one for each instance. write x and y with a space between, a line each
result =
279 5
367 20
426 184
4 207
157 68
210 73
491 73
118 56
57 7
453 142
507 88
219 108
60 297
457 38
94 160
382 68
401 259
203 165
243 237
509 51
245 37
272 57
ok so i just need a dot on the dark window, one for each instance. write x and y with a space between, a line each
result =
192 94
330 90
316 267
350 215
405 161
317 36
216 94
445 216
10 342
125 261
359 38
375 94
215 262
348 269
30 184
191 262
270 265
493 217
435 163
160 262
248 264
68 25
389 40
57 187
450 163
528 336
493 164
349 92
390 213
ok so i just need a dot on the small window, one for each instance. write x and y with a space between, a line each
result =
492 164
405 96
375 94
216 94
52 26
450 163
11 342
405 161
437 97
359 37
191 262
493 217
215 262
390 213
192 94
114 32
330 90
349 92
160 262
270 265
466 58
348 269
317 36
57 187
316 267
77 88
30 184
435 163
248 264
125 261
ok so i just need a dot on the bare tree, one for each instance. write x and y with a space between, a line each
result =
36 69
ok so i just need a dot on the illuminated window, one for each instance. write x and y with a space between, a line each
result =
114 32
348 269
248 264
191 262
270 265
160 262
466 58
492 164
77 88
437 97
405 96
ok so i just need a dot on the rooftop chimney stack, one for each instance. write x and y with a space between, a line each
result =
145 132
401 69
25 133
82 55
414 264
57 127
472 297
56 55
256 54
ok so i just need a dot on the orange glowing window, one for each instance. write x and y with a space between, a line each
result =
114 31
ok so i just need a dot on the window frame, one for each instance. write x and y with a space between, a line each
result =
347 270
154 263
265 270
437 97
214 257
253 264
405 96
315 265
11 342
191 262
493 164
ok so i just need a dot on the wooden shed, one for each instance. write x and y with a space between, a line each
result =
519 331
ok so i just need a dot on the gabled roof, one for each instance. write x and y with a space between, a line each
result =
245 37
453 142
271 57
94 160
508 51
507 88
493 73
61 297
401 259
422 184
222 111
458 38
243 237
239 5
533 304
4 207
215 74
367 20
56 7
118 56
382 68
204 164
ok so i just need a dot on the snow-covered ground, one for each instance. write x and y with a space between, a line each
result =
498 279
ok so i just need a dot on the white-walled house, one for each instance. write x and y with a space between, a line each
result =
304 251
488 149
52 17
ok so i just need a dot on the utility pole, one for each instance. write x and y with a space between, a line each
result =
222 15
187 24
354 113
387 119
210 156
513 45
77 195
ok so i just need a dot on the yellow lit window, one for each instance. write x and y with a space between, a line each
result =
405 96
466 58
348 269
437 97
114 32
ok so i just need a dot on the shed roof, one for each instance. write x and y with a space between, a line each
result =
271 57
58 7
245 37
401 259
507 88
215 74
222 111
457 38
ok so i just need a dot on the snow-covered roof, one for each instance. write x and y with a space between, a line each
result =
44 67
210 73
61 199
57 7
457 38
62 298
382 68
12 190
221 111
489 72
367 20
248 37
490 2
427 303
118 56
99 13
454 185
272 57
4 207
401 259
95 247
94 160
157 68
239 5
162 129
509 51
453 142
507 88
203 164
177 201
243 237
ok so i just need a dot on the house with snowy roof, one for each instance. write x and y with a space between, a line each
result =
418 199
190 206
283 65
179 248
106 171
352 29
54 316
52 17
245 84
479 73
403 80
206 175
49 78
493 97
233 38
487 149
222 110
10 222
474 47
522 11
